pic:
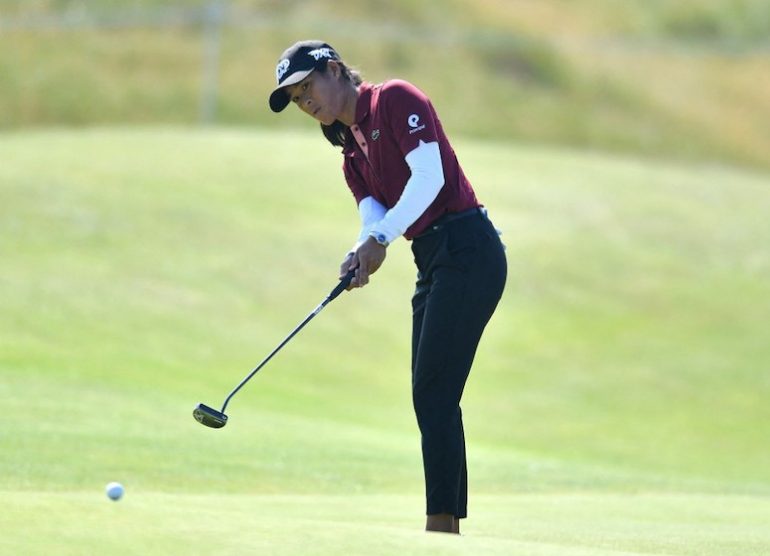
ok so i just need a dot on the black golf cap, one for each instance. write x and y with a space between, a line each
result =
295 64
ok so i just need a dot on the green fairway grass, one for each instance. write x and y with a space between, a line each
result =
618 403
532 524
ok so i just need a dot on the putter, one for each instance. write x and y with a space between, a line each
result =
217 419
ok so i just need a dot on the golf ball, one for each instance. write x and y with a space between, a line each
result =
114 491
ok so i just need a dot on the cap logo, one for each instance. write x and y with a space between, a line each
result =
319 53
281 69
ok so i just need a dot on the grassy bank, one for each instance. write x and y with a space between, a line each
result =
687 81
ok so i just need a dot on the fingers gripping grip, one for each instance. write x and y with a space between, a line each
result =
342 286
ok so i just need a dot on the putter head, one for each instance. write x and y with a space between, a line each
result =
210 417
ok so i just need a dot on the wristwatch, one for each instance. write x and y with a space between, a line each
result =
379 238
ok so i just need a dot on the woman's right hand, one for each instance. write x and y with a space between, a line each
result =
367 259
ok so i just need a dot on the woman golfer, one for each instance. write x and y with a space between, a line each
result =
406 180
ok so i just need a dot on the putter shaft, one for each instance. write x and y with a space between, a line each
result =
338 289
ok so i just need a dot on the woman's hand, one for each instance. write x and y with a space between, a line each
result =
346 266
367 259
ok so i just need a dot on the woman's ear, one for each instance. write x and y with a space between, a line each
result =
335 68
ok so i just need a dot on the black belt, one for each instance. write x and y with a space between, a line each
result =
442 221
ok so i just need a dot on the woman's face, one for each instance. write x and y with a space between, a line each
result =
319 94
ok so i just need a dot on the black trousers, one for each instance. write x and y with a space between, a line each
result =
461 275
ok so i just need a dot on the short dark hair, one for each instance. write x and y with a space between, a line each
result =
336 132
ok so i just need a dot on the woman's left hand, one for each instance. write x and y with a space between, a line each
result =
368 258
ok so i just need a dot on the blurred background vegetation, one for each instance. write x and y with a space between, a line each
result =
688 79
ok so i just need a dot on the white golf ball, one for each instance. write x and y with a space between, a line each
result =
114 491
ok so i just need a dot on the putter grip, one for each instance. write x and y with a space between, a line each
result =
344 283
